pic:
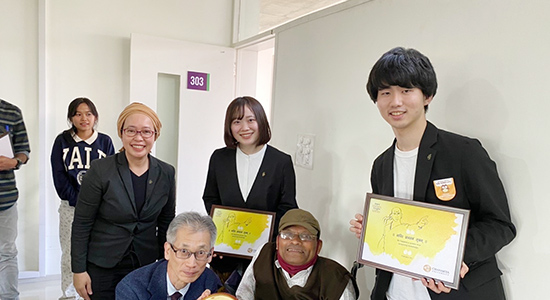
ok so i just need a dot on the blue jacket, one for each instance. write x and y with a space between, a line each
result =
149 282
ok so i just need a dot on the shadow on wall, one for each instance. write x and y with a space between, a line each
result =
327 201
477 109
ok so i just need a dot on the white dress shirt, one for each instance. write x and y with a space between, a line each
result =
247 169
171 289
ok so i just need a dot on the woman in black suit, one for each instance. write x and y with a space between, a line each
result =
248 173
125 205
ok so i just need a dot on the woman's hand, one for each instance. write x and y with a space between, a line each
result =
83 284
356 225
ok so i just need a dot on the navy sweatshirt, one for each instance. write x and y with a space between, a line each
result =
71 158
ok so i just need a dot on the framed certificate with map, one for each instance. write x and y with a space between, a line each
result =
241 232
414 239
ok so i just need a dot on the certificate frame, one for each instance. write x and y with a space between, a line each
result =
241 231
412 238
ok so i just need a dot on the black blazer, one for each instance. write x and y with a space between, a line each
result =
274 188
444 155
106 221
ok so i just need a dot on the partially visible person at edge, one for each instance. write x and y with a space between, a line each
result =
248 173
291 268
73 151
125 205
402 84
13 128
182 274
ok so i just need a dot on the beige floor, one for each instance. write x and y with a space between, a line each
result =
48 288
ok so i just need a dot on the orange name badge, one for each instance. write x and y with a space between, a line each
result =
445 189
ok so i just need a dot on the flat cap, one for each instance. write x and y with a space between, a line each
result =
302 218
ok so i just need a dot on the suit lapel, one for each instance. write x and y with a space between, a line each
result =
126 177
158 287
387 172
424 162
265 166
154 173
232 173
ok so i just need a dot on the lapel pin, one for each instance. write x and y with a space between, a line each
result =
263 174
150 181
429 156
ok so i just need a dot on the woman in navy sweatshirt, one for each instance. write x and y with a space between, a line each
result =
72 153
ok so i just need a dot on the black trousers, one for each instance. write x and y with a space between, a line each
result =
105 280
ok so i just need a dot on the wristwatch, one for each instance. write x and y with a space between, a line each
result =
19 163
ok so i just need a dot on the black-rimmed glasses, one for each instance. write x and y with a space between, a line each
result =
201 255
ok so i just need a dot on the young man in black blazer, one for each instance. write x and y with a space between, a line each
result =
421 160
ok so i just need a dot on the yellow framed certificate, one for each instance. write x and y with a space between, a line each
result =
241 232
412 238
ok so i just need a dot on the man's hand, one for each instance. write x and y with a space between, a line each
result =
356 225
7 163
205 294
439 287
463 270
83 284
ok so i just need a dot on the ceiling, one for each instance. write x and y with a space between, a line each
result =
277 12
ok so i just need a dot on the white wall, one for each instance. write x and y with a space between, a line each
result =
492 62
491 58
85 49
19 85
88 54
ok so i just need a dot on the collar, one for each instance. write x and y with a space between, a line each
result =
88 141
293 270
171 289
278 265
252 156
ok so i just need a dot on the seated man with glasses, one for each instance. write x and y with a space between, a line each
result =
291 268
182 274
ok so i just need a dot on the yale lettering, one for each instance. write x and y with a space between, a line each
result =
76 159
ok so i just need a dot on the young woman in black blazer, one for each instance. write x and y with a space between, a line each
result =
248 173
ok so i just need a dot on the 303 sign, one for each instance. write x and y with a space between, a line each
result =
198 81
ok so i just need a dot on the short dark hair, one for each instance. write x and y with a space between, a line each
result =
235 110
73 106
402 67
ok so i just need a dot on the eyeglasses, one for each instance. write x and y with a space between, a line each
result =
200 255
304 237
131 132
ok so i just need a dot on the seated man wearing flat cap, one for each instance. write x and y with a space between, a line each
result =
291 268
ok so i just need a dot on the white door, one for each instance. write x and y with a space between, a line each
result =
199 119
